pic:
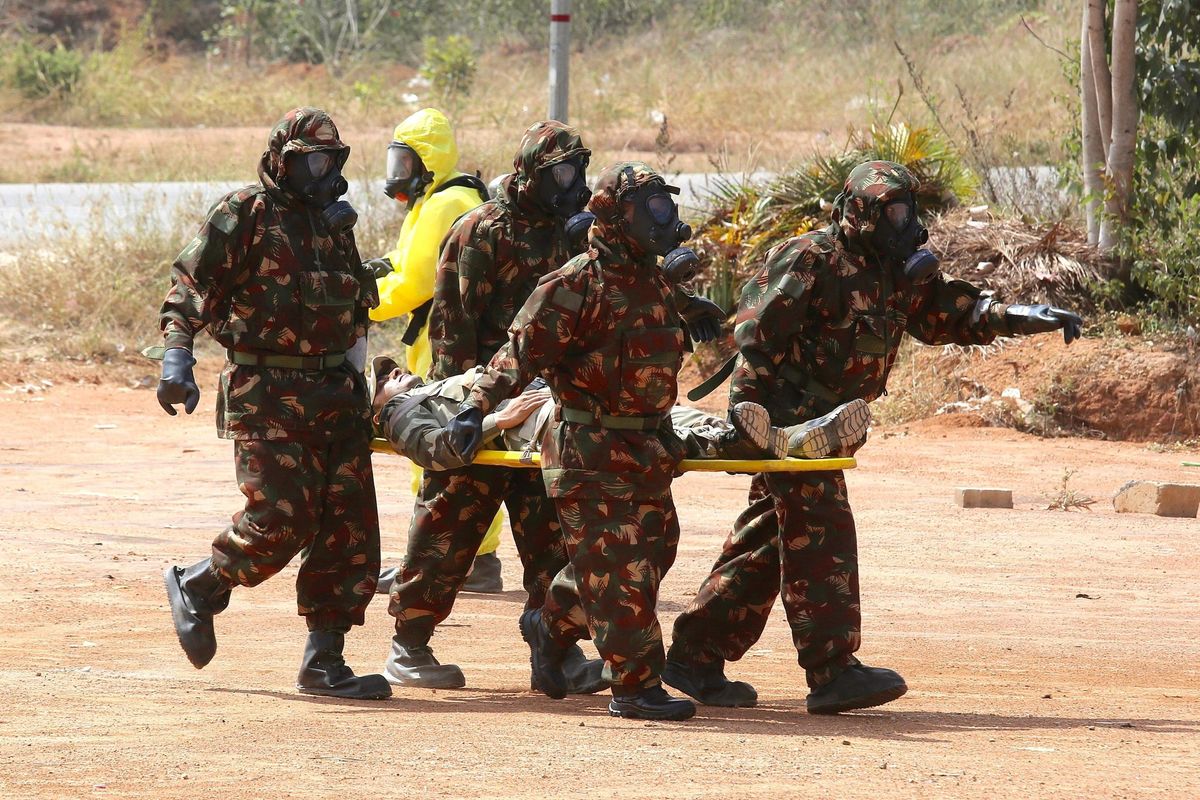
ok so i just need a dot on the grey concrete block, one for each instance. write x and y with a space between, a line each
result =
983 498
1161 499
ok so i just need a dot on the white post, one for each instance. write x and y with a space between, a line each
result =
560 57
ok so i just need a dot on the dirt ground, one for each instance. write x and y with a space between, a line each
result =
1048 654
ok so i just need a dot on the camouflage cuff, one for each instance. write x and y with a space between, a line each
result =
177 339
997 321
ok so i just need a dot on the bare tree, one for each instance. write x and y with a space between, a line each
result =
335 29
1109 116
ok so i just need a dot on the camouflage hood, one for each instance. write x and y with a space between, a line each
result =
612 185
869 187
544 144
301 130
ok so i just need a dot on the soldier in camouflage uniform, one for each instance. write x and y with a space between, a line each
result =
819 325
491 259
276 279
605 333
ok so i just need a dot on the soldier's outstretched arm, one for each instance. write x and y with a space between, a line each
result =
772 312
952 311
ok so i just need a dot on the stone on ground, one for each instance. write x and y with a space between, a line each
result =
983 498
1161 499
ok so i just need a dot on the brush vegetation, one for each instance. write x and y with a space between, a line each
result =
686 85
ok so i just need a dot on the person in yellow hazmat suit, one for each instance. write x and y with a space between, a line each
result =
421 173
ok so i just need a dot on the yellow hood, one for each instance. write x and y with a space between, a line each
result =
428 133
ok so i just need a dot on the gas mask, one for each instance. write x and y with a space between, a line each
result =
562 187
577 228
317 178
898 237
657 229
406 178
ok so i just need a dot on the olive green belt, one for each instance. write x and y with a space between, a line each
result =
806 383
581 417
327 361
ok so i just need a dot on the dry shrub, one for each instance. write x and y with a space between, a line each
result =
1042 263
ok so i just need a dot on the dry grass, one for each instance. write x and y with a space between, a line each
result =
1068 499
92 294
740 99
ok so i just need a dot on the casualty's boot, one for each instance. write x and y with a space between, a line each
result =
652 703
195 594
754 424
708 684
416 666
387 577
484 576
856 686
584 676
841 431
545 656
323 671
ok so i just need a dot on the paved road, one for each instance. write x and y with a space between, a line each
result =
35 212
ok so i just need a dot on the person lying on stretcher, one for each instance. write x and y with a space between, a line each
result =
412 416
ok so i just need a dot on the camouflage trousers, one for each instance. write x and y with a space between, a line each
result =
450 519
620 551
316 499
798 526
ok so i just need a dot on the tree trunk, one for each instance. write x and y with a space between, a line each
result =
1119 172
1101 76
1092 158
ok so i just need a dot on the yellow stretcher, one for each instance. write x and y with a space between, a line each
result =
520 460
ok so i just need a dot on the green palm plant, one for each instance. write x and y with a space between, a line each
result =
745 220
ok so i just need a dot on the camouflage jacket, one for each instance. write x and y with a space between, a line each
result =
415 421
263 276
605 334
821 322
494 256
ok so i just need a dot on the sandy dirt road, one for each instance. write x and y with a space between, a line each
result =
1048 654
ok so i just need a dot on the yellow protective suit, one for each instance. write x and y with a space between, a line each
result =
415 256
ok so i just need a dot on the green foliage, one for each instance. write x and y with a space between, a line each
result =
39 73
1163 241
745 221
449 66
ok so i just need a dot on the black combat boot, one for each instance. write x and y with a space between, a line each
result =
324 671
708 684
545 656
652 703
415 665
584 675
195 595
856 686
484 576
387 578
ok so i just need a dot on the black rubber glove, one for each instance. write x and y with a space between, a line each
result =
379 266
1041 318
706 318
465 432
178 384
